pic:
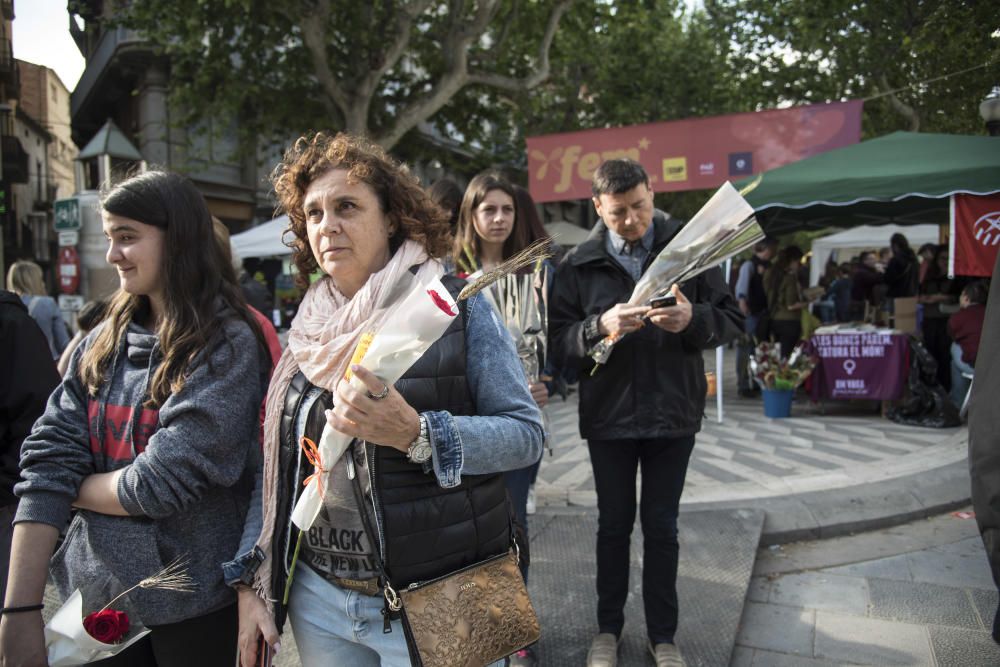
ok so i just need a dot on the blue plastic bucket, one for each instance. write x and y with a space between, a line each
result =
778 403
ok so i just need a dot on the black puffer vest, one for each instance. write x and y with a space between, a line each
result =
425 531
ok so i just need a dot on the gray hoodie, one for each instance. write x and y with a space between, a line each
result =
189 470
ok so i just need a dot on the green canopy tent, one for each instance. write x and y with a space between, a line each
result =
904 178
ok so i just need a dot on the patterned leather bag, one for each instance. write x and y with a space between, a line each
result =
468 618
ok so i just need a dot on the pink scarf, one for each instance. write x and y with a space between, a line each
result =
321 342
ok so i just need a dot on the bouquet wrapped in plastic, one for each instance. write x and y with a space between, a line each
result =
770 371
723 228
517 297
73 638
418 315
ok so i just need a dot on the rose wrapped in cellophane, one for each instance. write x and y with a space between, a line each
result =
418 315
73 638
723 228
518 300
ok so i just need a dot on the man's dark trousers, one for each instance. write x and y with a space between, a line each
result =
663 463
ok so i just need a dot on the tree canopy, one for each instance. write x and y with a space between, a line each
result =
486 73
921 65
377 68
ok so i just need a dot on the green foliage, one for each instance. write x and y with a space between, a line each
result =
800 51
378 68
612 63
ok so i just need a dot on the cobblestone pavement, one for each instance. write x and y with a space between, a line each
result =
829 445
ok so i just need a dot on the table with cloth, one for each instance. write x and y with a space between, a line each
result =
865 364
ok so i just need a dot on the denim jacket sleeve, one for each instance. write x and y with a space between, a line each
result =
506 433
241 569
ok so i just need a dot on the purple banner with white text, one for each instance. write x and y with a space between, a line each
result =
869 365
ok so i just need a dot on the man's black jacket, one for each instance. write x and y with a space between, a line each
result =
653 385
27 377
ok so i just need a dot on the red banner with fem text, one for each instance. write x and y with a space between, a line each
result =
975 234
693 154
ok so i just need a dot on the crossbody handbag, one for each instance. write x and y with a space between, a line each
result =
468 618
471 617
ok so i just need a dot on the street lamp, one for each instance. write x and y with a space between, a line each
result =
989 109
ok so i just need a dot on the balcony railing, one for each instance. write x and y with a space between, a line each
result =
7 8
100 59
15 160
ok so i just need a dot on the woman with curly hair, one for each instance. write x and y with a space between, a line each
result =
496 221
420 488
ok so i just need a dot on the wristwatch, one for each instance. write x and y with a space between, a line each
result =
420 448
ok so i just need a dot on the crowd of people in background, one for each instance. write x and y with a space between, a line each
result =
772 287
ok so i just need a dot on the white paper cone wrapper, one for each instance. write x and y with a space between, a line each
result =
68 643
415 324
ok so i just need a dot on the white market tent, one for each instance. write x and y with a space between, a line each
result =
567 234
263 240
865 237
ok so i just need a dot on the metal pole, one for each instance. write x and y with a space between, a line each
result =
718 359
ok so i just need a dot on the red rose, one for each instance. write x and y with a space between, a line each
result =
108 625
441 303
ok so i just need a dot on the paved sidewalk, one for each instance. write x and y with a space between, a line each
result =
916 594
832 468
827 603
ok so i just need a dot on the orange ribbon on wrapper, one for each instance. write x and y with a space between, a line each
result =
312 454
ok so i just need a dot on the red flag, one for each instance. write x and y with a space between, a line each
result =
975 234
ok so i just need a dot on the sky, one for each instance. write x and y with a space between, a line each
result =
41 36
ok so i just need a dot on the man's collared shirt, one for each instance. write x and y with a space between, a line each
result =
631 256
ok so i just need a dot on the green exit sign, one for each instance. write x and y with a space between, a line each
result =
67 214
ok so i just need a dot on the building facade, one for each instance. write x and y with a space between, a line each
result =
45 98
126 82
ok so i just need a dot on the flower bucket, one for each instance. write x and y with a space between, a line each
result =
778 403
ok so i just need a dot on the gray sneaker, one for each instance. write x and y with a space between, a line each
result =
603 651
667 655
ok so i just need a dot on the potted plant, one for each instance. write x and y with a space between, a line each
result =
779 377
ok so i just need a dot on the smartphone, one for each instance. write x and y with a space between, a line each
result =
665 301
264 656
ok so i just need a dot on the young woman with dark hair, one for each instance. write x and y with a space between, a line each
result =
495 222
152 437
486 226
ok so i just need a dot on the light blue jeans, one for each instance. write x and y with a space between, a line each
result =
959 383
334 626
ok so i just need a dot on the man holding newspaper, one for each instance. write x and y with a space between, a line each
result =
642 404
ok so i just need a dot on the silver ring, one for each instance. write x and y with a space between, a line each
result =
379 396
